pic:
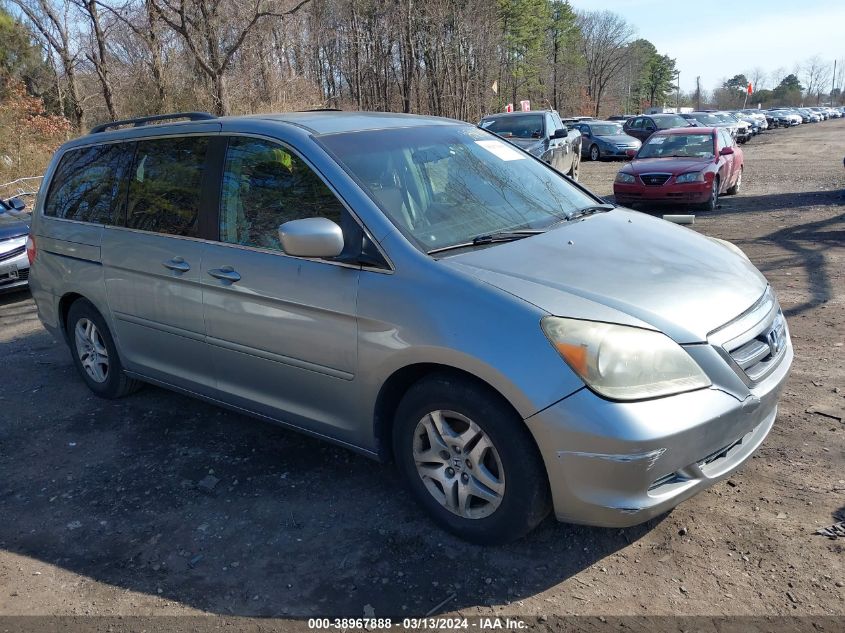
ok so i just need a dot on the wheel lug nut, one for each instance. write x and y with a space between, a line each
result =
464 477
450 472
468 463
457 449
444 455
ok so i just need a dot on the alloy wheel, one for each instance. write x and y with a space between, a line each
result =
91 349
458 464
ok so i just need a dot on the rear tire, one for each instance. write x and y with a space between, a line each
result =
95 354
469 460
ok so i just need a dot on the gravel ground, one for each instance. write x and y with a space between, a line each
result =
158 504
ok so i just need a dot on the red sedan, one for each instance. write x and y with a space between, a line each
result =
692 165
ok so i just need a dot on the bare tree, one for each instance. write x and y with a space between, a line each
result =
604 36
816 74
215 31
98 55
50 19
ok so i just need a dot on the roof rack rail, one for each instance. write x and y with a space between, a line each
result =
144 120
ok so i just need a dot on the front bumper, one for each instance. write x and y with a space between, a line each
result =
617 464
14 272
687 193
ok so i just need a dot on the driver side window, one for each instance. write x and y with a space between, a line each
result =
265 185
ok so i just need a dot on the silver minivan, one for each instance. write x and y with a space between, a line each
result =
418 290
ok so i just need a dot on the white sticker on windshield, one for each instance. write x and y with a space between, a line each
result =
656 140
501 150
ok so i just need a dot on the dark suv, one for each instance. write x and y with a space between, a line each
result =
643 126
541 133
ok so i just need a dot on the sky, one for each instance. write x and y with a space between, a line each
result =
717 39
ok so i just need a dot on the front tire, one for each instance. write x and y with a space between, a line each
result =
712 202
576 165
735 189
469 460
95 354
595 153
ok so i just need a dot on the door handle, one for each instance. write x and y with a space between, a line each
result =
178 264
227 273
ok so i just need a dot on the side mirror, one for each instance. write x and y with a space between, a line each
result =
311 237
630 153
561 133
16 203
726 151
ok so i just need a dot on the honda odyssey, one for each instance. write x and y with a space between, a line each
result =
415 289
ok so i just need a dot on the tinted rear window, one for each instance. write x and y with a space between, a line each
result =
88 184
165 184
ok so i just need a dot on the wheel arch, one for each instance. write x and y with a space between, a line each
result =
396 386
67 300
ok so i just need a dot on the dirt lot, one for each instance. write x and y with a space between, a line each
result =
102 510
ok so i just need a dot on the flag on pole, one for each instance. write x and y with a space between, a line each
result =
509 107
525 105
495 87
750 90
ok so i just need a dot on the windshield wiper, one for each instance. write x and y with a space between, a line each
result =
596 208
489 238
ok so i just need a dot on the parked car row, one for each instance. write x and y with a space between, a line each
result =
790 117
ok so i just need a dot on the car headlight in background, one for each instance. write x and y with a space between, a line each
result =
625 178
693 176
622 362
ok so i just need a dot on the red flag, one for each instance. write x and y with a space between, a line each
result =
525 105
509 107
749 88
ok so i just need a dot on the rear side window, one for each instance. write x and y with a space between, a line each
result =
265 185
88 185
165 185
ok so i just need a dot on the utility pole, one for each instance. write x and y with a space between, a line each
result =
833 82
698 93
678 100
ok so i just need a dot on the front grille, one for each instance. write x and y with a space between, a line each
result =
12 253
655 180
758 356
755 342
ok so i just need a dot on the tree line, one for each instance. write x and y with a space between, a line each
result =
99 60
96 60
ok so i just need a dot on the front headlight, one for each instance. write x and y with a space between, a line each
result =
693 176
622 362
625 178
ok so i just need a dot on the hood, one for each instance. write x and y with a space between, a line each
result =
12 227
666 165
620 139
623 267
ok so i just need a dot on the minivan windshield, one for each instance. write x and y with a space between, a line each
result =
445 185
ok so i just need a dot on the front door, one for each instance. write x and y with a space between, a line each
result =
282 330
